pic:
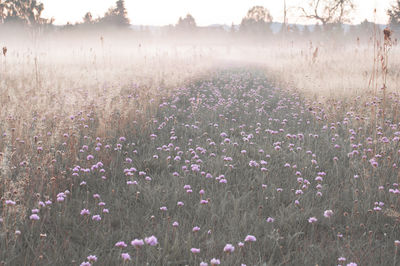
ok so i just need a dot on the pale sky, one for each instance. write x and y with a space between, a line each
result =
205 12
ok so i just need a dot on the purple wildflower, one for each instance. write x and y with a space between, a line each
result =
229 248
34 217
250 238
125 256
152 240
137 242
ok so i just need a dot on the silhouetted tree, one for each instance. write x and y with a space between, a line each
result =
394 15
361 32
367 27
116 16
328 11
257 20
186 24
88 18
121 12
23 11
2 11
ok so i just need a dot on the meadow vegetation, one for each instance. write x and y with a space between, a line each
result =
119 151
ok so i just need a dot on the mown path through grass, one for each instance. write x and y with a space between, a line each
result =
226 160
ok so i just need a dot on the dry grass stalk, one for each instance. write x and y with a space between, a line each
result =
384 57
315 55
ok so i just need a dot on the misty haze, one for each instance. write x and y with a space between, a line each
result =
252 133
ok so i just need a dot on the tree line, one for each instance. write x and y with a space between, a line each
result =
29 13
329 14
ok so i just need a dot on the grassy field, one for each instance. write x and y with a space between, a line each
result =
198 155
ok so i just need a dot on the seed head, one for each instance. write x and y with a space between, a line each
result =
387 35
